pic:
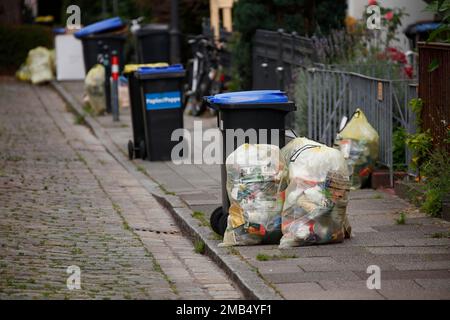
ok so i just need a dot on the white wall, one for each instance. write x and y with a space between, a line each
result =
413 7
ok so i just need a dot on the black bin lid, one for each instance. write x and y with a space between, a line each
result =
152 29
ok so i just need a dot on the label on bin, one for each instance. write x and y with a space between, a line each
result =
163 100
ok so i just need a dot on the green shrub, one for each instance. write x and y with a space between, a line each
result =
300 88
399 155
436 171
16 41
306 17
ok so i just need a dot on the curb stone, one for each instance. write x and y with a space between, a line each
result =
248 281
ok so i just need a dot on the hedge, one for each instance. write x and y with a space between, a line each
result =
16 41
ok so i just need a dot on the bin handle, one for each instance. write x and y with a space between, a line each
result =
207 99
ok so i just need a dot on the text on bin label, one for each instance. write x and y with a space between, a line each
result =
163 100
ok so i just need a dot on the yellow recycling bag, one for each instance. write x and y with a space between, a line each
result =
359 141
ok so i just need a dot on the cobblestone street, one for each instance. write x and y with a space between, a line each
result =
64 200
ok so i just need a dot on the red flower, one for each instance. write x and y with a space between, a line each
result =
373 2
389 16
409 71
396 55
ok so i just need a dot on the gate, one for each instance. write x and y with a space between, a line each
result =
275 55
335 94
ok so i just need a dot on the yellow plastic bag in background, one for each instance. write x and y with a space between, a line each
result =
359 143
38 67
94 84
23 74
40 63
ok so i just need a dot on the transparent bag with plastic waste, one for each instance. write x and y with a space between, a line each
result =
314 210
358 141
40 64
256 177
94 85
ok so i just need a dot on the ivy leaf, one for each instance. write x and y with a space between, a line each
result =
433 65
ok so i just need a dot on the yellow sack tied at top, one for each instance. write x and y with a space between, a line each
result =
38 67
94 84
359 142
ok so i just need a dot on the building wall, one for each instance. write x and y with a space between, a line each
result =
413 7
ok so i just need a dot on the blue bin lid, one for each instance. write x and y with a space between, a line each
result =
59 30
249 97
155 70
425 27
101 26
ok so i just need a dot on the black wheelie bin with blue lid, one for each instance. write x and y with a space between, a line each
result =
259 110
97 35
99 40
137 113
162 104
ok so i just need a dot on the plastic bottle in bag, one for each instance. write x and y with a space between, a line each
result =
255 182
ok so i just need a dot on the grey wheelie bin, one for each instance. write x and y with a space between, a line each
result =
260 109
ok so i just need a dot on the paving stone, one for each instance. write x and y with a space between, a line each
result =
362 285
409 274
408 250
294 291
295 277
439 284
340 295
425 265
401 294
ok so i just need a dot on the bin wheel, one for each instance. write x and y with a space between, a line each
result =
142 151
130 149
218 221
223 223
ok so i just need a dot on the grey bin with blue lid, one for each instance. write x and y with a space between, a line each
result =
162 105
259 109
99 34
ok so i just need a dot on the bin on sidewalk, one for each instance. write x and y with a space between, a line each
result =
99 34
93 48
162 104
261 109
153 43
99 39
137 113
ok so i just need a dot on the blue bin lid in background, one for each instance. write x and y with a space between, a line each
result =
249 97
101 26
425 27
155 70
59 30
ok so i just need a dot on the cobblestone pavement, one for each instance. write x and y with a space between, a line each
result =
65 201
414 257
